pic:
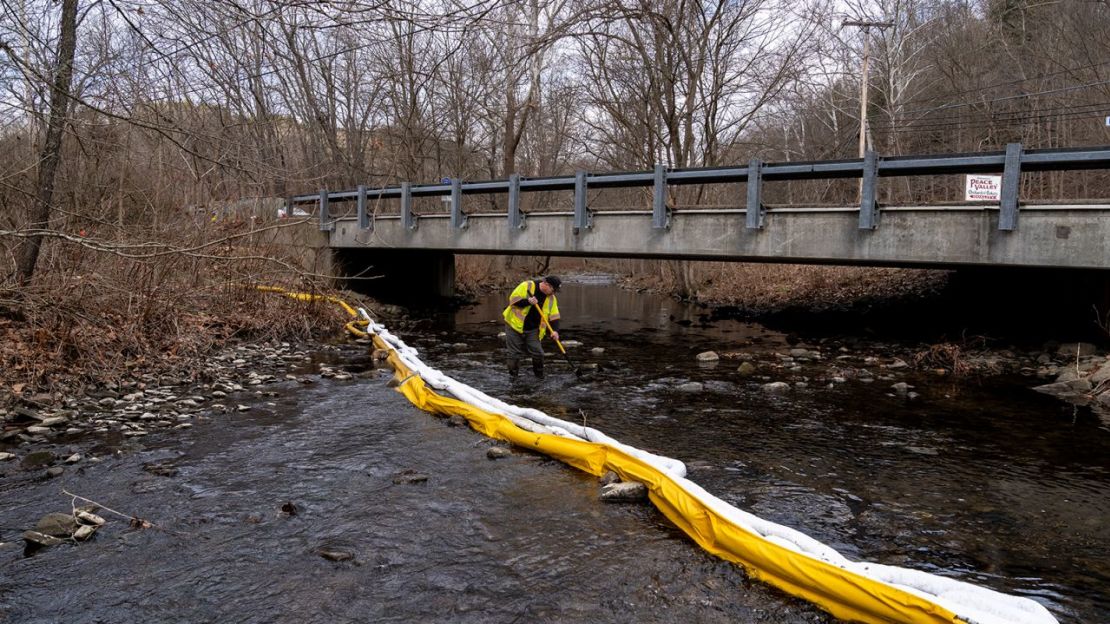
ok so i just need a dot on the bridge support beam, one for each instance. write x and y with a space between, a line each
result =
397 275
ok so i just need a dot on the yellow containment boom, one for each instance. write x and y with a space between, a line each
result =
780 556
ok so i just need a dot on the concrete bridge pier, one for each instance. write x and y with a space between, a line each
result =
397 275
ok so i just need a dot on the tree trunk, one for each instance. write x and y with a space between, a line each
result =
52 147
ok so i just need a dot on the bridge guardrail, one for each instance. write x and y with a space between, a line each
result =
1011 163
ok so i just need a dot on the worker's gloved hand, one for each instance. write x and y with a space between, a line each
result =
555 336
533 301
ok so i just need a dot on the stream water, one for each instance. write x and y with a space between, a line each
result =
983 481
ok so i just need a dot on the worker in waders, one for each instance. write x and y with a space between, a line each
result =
525 325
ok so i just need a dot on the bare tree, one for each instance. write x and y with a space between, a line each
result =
52 147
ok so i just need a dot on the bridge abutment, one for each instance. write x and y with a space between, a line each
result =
397 275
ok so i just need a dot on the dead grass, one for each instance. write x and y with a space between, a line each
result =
768 288
947 356
92 316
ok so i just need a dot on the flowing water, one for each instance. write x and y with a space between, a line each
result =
987 482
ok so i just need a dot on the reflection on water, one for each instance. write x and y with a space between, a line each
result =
994 485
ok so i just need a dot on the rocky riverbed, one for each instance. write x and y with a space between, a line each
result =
52 431
1077 373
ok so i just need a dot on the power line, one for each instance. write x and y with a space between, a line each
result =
972 122
976 117
1009 82
1010 97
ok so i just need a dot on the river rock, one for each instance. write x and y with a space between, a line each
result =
84 532
708 356
6 456
243 408
598 350
1101 375
498 452
40 539
73 459
896 364
57 524
572 343
409 477
85 516
53 421
36 459
335 555
1067 374
747 369
23 414
624 492
776 387
901 388
1070 349
691 386
609 477
456 421
1065 388
55 471
800 353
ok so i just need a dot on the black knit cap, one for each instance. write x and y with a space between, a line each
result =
554 281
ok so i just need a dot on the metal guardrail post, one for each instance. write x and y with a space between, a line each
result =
755 195
458 219
868 206
325 222
1011 184
581 212
408 219
516 219
660 215
363 218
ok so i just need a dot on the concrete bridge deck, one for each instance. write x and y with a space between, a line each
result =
1062 236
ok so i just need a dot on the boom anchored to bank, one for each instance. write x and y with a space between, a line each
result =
801 566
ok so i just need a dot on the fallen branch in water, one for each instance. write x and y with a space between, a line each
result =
134 521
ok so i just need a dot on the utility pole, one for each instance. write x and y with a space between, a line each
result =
866 26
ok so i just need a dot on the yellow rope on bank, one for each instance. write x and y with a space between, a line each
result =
912 597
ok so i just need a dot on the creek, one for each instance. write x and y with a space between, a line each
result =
983 480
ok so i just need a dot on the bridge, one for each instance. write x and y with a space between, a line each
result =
1007 233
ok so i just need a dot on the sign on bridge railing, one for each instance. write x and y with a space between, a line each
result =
983 188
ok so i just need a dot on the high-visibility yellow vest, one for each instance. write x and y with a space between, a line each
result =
514 316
